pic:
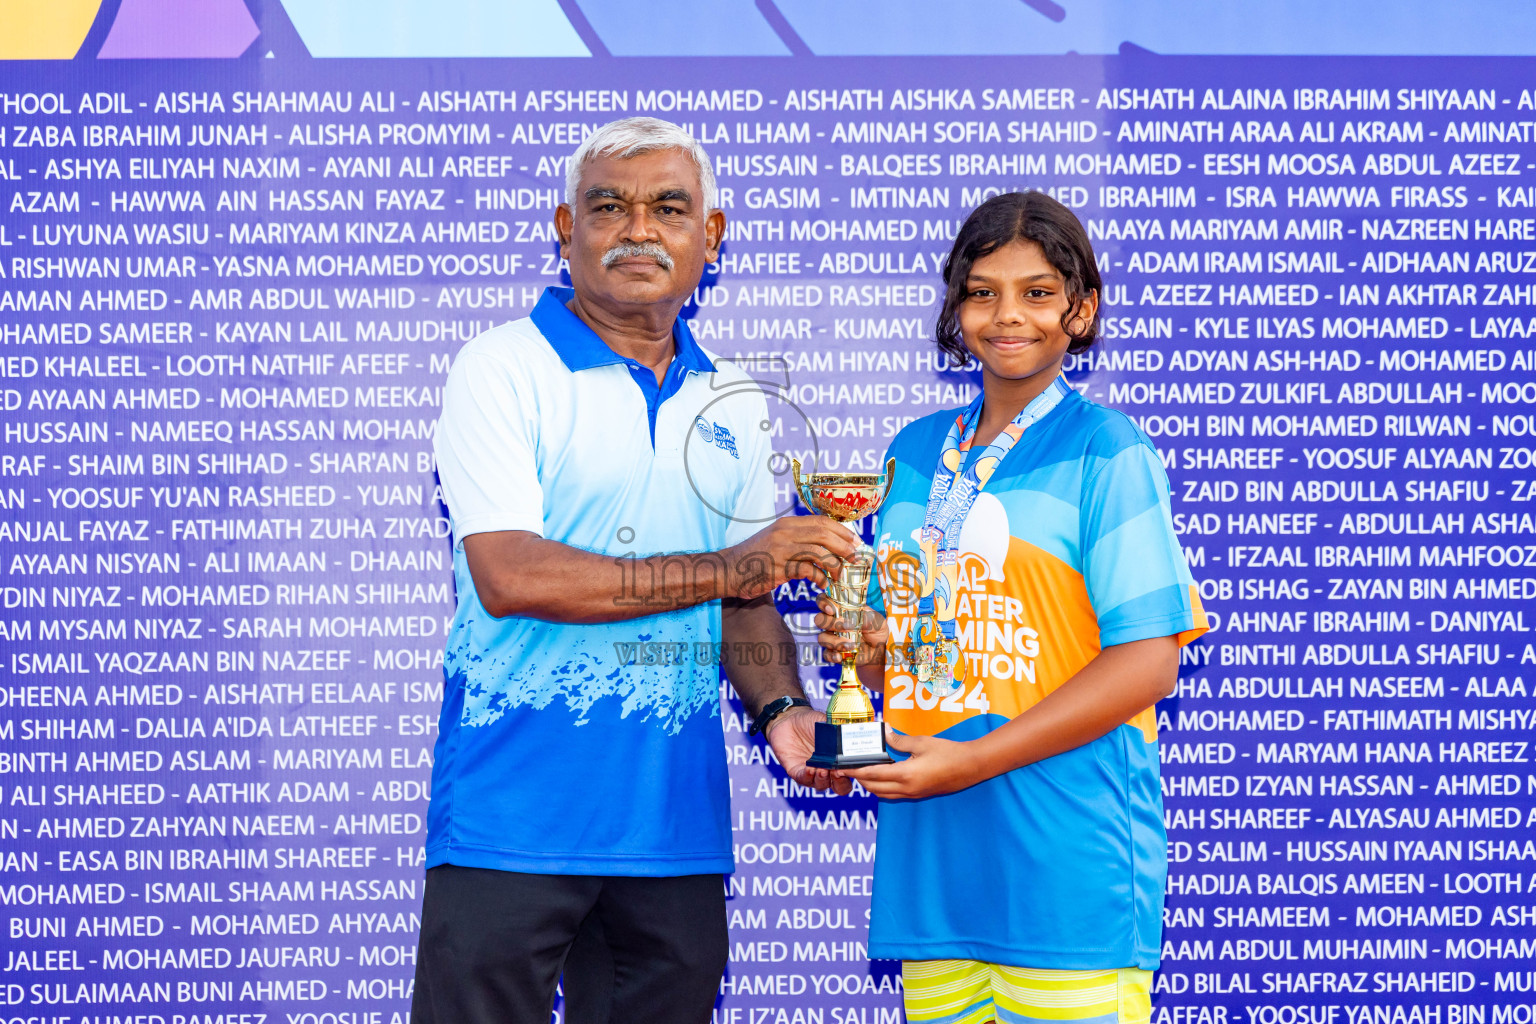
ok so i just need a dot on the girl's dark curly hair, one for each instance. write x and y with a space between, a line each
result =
1012 217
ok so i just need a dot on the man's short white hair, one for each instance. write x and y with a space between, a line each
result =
634 136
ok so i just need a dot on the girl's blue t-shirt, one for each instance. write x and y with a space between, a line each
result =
1069 549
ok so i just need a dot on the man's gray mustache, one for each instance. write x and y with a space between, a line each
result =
629 250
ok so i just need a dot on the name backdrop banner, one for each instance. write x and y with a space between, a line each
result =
230 291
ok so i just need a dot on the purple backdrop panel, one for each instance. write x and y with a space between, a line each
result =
180 28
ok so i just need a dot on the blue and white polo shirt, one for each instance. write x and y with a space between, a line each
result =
590 749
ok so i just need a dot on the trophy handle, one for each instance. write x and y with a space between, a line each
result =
890 476
800 489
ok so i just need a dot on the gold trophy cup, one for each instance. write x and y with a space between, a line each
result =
850 737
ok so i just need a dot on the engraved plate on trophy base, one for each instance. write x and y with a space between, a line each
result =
849 746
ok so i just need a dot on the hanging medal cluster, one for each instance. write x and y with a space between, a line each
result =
932 650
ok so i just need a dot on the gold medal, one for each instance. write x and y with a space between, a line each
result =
920 647
948 667
922 663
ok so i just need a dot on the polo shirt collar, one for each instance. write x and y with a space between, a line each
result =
580 348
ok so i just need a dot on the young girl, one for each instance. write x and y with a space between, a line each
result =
1028 612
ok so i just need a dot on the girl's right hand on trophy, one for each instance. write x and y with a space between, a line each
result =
874 632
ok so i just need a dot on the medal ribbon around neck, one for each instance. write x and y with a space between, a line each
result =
932 648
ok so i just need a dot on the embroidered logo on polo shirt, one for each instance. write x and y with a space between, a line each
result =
717 435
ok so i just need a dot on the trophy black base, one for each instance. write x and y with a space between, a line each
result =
849 746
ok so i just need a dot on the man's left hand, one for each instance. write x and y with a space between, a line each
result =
936 767
792 736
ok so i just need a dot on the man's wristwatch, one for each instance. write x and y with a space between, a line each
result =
774 709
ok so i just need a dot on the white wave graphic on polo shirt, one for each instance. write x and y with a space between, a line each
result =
668 695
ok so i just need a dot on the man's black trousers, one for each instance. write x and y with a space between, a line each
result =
493 944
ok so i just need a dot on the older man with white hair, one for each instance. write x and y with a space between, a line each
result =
580 782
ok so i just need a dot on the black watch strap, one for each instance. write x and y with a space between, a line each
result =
774 709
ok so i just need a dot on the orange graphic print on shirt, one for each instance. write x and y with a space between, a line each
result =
1024 628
